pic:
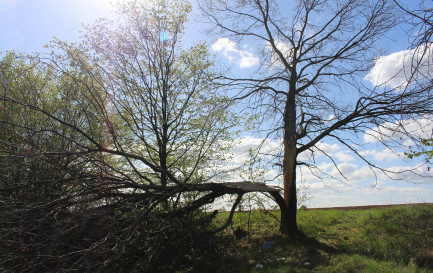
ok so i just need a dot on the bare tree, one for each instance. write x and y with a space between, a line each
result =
421 20
314 57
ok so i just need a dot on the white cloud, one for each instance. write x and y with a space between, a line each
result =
346 168
243 58
332 150
387 155
331 176
367 152
305 156
354 173
362 187
284 48
328 148
383 193
420 128
343 156
247 143
414 174
394 190
319 188
409 143
239 156
395 70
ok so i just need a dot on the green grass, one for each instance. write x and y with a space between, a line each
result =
388 239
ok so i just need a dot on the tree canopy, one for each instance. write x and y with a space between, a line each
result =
106 144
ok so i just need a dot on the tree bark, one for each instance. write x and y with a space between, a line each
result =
164 136
288 216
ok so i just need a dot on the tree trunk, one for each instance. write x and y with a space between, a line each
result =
164 136
288 216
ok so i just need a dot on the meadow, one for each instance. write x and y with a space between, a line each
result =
370 239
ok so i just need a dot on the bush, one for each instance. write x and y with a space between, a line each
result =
100 239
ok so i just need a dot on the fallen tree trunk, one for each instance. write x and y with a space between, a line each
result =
239 188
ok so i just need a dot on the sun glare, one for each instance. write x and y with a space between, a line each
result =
7 4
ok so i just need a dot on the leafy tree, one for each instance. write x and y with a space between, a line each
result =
314 57
27 135
45 172
106 145
163 94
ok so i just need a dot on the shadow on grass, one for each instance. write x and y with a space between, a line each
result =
275 253
390 239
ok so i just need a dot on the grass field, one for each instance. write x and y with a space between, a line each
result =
383 239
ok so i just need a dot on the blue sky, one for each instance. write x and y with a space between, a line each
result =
27 25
